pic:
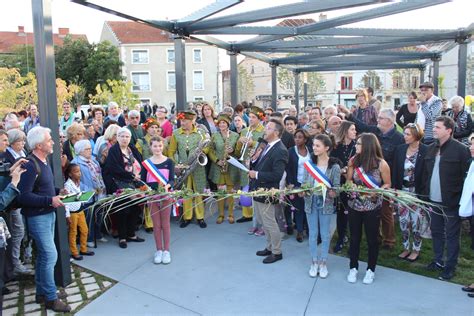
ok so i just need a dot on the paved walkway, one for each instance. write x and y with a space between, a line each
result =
215 271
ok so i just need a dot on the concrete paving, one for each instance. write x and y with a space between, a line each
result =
215 271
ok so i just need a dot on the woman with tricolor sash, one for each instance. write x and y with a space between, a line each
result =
325 172
158 171
367 169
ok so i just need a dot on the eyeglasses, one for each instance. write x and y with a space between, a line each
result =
134 117
412 125
382 118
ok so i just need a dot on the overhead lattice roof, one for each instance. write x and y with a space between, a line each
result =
309 45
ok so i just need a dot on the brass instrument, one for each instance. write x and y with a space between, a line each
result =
198 157
225 164
244 149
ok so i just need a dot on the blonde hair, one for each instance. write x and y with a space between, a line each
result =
74 129
111 131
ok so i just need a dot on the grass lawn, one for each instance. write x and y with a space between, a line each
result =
464 272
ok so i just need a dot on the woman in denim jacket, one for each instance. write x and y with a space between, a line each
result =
321 209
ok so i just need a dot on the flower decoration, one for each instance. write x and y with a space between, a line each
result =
149 122
180 116
261 115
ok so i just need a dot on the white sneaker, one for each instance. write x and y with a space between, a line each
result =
102 240
313 270
166 257
352 276
369 277
22 270
158 257
323 271
90 244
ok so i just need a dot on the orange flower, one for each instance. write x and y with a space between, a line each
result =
180 116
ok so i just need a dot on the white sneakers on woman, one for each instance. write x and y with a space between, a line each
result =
162 257
315 268
166 257
368 278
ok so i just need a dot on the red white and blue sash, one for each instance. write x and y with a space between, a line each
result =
155 172
368 180
317 174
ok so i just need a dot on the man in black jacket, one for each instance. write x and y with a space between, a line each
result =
389 139
267 168
446 164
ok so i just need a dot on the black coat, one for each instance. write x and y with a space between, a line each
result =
114 168
453 166
292 167
398 168
270 170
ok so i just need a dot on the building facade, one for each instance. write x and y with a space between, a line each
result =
148 58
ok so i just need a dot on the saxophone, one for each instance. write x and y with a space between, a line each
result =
197 158
225 164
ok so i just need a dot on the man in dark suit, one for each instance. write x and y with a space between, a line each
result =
267 168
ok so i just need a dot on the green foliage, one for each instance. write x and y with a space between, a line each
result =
115 90
470 75
71 59
245 83
315 81
441 86
21 57
371 79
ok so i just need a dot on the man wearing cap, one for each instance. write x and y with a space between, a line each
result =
223 174
183 144
430 110
249 136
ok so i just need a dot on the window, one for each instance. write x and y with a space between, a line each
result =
144 102
141 81
140 56
170 81
397 82
414 82
197 56
198 98
170 56
346 83
198 80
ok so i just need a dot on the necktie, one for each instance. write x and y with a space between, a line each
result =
264 152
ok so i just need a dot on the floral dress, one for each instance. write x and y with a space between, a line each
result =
362 202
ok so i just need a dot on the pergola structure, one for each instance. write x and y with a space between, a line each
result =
319 46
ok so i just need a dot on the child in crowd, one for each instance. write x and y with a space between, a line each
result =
159 171
75 214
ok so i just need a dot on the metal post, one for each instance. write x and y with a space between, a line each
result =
435 74
274 86
297 92
305 95
46 78
422 75
234 75
462 61
180 73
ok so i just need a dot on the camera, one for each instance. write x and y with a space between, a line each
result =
5 168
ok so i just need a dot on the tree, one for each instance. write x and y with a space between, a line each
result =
371 79
245 85
315 81
470 75
115 90
21 57
71 59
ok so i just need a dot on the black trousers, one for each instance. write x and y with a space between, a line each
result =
2 281
371 222
446 232
342 217
127 220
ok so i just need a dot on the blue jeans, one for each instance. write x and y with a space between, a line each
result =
41 229
318 223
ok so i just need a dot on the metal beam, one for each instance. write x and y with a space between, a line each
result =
274 86
305 95
462 66
359 67
436 74
422 74
163 25
297 91
390 9
276 13
352 59
234 75
340 31
207 11
46 78
180 73
213 41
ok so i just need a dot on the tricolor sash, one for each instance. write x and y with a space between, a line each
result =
153 170
368 180
317 174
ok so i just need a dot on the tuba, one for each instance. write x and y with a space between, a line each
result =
197 158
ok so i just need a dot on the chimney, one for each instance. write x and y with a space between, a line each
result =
63 31
323 17
21 30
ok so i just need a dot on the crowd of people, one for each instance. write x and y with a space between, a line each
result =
423 149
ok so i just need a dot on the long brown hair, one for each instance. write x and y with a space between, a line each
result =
342 131
371 153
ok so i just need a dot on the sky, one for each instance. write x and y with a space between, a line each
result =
83 20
